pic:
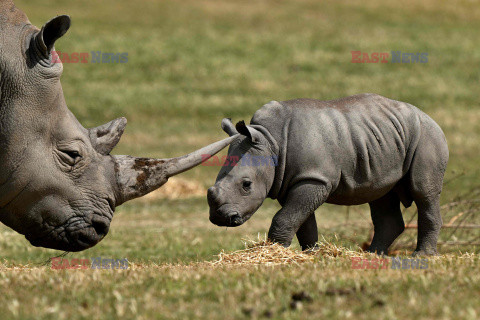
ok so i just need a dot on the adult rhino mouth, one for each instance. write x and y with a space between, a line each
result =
76 235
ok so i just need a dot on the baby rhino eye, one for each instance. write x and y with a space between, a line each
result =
246 184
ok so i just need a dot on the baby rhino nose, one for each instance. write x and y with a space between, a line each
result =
212 195
212 192
236 220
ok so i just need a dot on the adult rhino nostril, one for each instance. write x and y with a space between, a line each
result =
101 226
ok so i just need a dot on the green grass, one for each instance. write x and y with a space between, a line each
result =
444 291
194 62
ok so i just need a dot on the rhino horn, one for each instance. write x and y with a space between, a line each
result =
51 32
228 127
105 137
138 176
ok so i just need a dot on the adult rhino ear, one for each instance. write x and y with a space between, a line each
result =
228 127
51 32
105 137
253 134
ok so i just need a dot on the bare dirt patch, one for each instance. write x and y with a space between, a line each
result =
176 188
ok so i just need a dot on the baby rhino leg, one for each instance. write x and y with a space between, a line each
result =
387 222
429 224
297 214
307 235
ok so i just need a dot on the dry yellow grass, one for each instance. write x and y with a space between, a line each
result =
268 253
176 188
264 252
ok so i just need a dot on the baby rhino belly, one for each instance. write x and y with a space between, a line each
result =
355 188
359 195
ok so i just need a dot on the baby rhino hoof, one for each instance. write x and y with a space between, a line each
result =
423 253
377 250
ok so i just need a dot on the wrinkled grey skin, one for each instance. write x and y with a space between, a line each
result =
59 185
360 149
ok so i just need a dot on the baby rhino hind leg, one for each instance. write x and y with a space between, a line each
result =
387 222
429 224
426 180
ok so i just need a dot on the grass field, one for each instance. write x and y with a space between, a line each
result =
193 62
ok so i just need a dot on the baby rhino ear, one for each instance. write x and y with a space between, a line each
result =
253 134
228 127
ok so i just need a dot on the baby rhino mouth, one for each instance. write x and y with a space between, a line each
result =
225 219
222 214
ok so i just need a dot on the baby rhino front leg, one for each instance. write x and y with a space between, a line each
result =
297 215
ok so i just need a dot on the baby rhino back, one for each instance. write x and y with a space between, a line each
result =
360 146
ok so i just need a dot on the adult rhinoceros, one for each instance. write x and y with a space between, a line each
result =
59 185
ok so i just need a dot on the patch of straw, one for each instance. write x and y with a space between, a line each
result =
264 252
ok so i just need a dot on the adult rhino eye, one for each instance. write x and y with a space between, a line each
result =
70 157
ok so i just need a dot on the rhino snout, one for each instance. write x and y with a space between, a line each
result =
221 219
212 195
77 235
222 214
213 198
236 220
101 226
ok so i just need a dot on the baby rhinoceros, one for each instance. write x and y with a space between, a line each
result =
360 149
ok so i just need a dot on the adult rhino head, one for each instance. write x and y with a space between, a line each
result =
59 185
